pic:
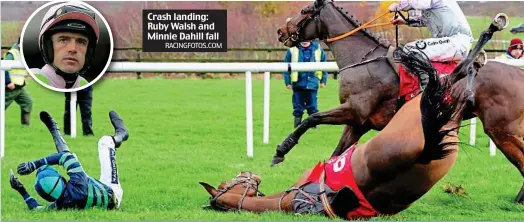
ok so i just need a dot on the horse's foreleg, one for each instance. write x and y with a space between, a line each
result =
513 148
346 134
350 136
270 202
337 116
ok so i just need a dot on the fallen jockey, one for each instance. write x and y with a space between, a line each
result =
81 191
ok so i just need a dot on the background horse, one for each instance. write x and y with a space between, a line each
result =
391 171
369 87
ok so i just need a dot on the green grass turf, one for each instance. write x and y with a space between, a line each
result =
186 131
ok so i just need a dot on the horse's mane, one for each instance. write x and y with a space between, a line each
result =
366 32
435 112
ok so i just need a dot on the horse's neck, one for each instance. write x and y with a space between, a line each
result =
257 204
351 50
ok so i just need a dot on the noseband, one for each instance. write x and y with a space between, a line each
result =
311 14
248 182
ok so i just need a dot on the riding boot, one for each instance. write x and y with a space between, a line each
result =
298 120
52 126
121 133
25 118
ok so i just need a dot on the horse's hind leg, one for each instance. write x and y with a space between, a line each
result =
337 116
513 148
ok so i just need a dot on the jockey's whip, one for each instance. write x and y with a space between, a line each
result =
396 29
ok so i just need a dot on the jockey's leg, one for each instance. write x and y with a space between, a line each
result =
446 49
52 126
107 154
108 168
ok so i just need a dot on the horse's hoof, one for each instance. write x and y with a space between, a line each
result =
501 21
482 58
276 160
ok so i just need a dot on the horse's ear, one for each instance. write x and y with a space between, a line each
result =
210 189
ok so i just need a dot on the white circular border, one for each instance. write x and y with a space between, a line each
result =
99 16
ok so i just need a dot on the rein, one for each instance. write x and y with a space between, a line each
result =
323 197
311 15
363 61
366 25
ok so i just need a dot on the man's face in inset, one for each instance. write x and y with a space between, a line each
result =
69 51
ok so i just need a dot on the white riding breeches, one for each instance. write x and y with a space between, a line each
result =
108 169
446 49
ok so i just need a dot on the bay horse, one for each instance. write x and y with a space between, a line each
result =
369 86
383 176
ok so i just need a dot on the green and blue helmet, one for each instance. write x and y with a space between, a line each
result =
49 183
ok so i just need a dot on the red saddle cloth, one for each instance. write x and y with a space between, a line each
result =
409 85
338 174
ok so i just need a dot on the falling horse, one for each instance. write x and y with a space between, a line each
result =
369 86
386 174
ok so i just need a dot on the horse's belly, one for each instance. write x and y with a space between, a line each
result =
408 186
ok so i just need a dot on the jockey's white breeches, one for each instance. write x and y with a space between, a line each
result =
453 48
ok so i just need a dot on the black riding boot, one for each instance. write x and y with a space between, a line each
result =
298 120
25 118
52 126
121 133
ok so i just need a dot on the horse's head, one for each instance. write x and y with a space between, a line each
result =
300 28
245 184
246 181
210 189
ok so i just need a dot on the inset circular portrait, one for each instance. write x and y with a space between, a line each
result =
66 45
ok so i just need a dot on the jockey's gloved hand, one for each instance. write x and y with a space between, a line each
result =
26 168
16 185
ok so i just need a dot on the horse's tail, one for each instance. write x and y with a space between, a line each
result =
435 106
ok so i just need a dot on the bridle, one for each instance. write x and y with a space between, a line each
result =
247 181
311 14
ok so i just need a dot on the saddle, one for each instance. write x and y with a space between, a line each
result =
480 60
409 83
